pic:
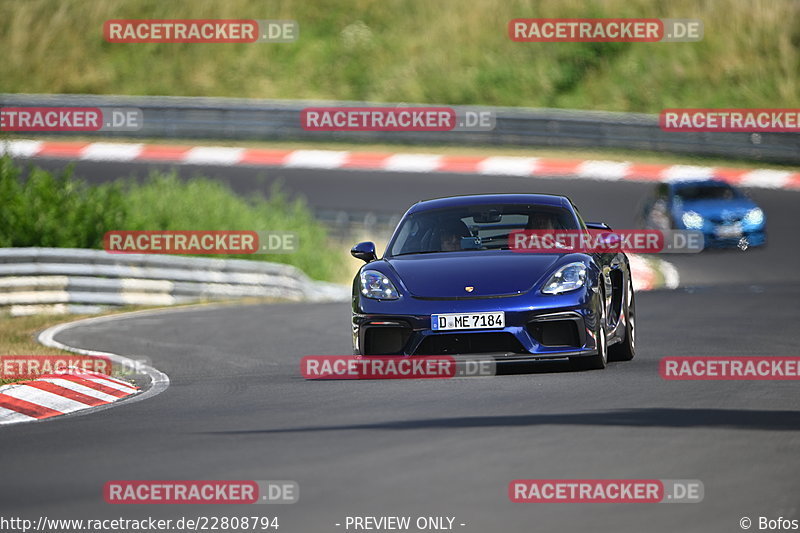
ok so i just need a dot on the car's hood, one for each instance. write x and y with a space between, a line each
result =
735 207
490 273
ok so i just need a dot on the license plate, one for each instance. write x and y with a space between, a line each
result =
726 232
450 321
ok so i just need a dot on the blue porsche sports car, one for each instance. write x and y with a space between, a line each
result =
725 215
449 284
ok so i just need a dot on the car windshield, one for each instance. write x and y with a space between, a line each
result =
707 191
474 228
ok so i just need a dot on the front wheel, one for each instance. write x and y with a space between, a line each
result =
598 361
626 350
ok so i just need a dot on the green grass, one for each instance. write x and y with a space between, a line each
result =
61 211
447 51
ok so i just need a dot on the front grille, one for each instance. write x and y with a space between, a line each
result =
382 340
718 220
555 332
469 343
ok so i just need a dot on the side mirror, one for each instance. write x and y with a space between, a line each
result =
610 238
598 225
364 251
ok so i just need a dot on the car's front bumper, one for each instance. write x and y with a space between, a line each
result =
748 238
544 327
716 237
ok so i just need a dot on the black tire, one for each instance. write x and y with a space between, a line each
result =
598 361
626 349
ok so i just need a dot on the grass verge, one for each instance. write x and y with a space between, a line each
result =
441 52
18 337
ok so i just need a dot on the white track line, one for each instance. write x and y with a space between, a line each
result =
20 148
111 152
316 159
684 172
603 170
770 179
671 277
213 155
508 166
412 163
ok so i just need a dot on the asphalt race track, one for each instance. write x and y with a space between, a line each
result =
238 409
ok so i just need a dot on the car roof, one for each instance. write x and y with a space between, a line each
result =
483 199
693 182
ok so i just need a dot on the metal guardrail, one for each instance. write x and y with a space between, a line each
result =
349 225
35 280
235 118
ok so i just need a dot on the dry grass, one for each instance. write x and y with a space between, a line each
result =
18 336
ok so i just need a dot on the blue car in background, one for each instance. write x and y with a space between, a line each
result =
725 215
449 284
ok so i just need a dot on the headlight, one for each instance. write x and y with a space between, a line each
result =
567 278
754 217
377 286
692 220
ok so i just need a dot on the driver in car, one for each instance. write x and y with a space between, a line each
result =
541 221
450 234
